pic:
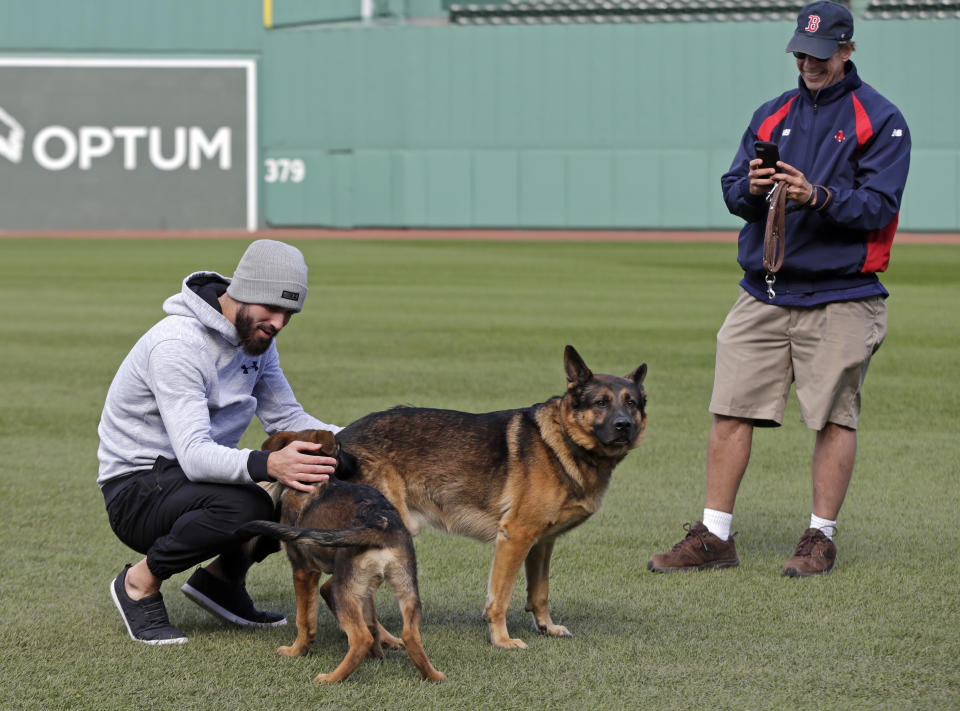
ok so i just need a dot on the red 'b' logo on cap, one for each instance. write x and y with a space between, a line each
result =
813 23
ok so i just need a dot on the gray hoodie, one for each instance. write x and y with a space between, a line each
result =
188 391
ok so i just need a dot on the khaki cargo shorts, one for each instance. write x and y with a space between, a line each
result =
762 349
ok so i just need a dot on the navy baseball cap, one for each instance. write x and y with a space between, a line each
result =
820 25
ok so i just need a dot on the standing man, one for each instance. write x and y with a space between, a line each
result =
845 151
175 485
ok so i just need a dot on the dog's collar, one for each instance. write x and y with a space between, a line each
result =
580 451
599 461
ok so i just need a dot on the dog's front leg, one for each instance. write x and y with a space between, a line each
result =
537 566
513 544
305 584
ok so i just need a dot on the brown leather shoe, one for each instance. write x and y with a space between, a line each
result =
815 555
698 551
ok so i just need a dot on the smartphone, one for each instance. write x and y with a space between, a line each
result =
768 152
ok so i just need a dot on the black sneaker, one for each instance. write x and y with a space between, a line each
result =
228 602
146 619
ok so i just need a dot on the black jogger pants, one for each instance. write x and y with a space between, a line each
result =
178 523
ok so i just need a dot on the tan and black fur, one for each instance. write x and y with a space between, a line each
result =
348 530
514 478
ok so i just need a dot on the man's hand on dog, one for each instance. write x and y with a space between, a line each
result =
296 467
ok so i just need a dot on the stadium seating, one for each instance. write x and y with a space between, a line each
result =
912 10
519 12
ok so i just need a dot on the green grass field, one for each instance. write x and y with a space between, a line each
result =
482 326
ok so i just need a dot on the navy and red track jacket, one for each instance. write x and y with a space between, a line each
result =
852 140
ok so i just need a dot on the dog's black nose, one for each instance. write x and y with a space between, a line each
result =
622 424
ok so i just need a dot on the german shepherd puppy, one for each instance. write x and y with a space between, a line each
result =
352 532
514 478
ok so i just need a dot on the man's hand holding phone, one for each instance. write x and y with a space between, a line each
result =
765 166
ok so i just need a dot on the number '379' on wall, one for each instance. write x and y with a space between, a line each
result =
284 170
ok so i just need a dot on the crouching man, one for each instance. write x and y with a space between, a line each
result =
175 485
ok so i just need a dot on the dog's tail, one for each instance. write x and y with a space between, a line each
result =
363 536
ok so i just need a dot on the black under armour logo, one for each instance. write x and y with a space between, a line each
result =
246 368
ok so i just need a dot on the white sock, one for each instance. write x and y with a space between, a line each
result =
718 523
828 527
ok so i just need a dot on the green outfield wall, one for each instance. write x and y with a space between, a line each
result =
405 121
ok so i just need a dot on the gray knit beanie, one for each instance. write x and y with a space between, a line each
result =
270 273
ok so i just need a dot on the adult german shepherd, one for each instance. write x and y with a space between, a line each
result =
352 532
515 478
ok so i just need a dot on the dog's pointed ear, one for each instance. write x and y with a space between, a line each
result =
639 374
577 371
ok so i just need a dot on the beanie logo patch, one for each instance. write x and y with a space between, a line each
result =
291 295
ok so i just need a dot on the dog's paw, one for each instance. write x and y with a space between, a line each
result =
509 643
554 631
393 643
388 640
291 651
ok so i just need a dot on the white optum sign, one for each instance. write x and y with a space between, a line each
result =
127 144
187 147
